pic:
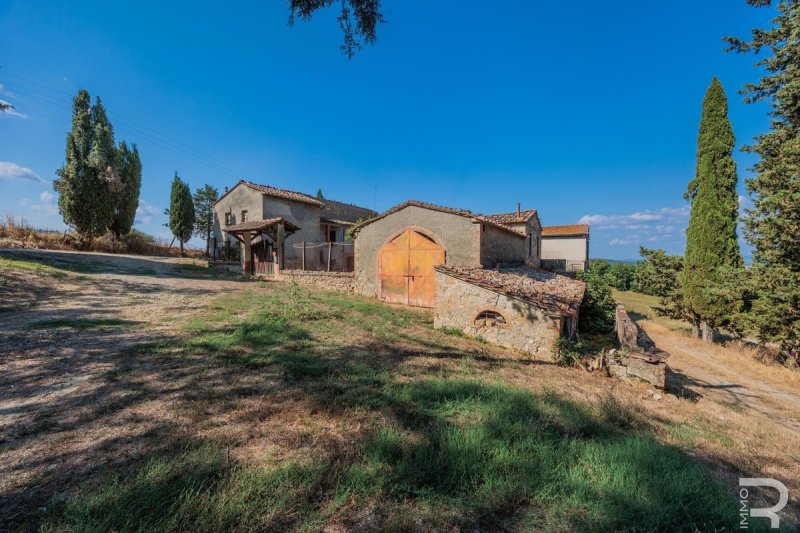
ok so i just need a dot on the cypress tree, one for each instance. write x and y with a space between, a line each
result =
79 187
181 211
90 185
204 199
711 240
773 224
127 199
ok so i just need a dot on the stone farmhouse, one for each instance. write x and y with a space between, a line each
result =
565 248
479 273
271 226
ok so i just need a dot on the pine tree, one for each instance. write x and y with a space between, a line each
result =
181 211
204 200
773 224
127 199
711 240
319 195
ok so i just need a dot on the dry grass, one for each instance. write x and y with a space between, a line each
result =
277 408
19 234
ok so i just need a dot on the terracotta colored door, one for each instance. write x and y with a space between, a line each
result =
406 269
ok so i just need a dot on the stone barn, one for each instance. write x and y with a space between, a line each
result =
396 252
523 308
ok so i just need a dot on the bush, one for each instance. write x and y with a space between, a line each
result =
598 307
569 352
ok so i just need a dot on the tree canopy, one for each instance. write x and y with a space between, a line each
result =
358 20
773 224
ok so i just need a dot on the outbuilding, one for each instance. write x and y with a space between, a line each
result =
396 252
522 308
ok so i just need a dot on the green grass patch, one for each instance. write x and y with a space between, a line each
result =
84 323
472 453
454 449
641 307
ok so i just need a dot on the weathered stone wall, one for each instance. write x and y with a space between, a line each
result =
527 328
239 198
639 358
502 247
533 229
331 281
305 216
457 234
345 211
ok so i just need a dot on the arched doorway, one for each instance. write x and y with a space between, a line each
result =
405 269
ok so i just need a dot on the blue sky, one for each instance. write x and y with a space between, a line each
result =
586 111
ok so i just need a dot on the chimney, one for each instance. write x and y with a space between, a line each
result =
519 209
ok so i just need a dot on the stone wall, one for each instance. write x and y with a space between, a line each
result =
456 233
526 327
331 281
502 247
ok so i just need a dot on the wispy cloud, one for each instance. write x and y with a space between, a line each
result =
45 206
639 227
145 213
11 171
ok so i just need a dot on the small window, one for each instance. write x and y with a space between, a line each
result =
244 215
228 219
490 319
332 236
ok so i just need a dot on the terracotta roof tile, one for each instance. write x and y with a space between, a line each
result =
565 231
254 225
514 217
433 207
275 193
283 193
545 289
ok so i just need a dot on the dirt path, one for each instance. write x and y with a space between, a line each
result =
728 376
63 339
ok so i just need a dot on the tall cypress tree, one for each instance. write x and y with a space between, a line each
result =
773 224
711 240
81 189
204 200
181 211
91 185
127 199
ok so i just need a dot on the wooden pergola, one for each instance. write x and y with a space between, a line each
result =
275 229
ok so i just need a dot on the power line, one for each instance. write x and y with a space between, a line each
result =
138 129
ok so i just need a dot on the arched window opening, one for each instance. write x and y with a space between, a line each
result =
490 319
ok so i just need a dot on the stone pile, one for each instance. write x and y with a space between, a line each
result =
638 356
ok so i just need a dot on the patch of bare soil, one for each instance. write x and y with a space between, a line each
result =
729 376
63 407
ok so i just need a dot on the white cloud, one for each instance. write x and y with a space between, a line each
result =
45 206
145 213
640 226
619 242
11 171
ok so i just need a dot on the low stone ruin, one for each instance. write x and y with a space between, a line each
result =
638 356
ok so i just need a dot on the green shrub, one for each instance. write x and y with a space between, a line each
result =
598 307
568 352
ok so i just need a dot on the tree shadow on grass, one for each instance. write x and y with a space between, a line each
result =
433 451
